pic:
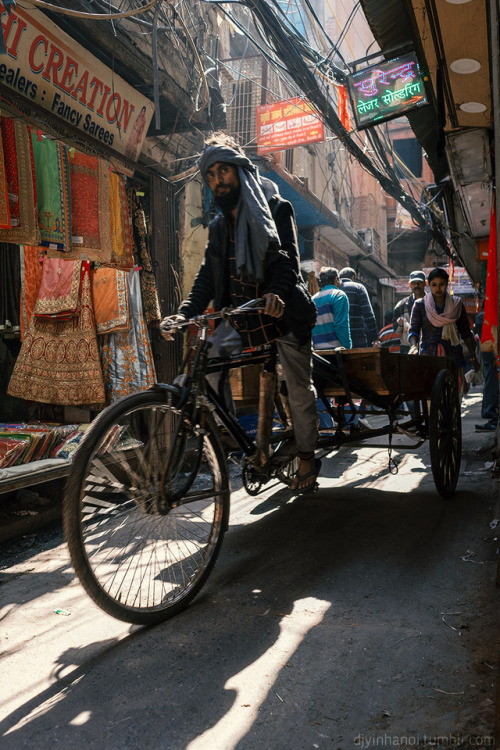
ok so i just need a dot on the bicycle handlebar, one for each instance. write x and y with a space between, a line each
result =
254 305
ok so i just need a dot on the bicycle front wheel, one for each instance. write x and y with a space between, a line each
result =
146 507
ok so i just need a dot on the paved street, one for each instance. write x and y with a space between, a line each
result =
362 616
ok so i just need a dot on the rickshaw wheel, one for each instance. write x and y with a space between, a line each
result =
445 433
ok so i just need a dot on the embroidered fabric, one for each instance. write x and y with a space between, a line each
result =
59 289
4 193
89 187
26 232
126 356
53 193
10 160
110 298
120 222
31 278
152 312
59 359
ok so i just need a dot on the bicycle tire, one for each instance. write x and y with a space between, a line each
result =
139 559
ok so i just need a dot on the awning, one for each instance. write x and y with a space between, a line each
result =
375 265
311 212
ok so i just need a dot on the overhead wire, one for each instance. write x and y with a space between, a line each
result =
282 45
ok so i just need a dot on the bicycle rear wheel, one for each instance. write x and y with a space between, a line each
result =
146 507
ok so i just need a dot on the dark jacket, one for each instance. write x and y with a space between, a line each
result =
282 275
364 330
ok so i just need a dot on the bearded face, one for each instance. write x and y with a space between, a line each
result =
224 183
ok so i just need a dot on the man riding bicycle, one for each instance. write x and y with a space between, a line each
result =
252 252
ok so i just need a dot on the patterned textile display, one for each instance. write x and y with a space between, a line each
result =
59 291
126 357
10 287
110 298
59 360
121 224
89 182
10 164
152 312
20 169
53 193
4 193
31 278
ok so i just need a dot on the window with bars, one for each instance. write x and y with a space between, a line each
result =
243 112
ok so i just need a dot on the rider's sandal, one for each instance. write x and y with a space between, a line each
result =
313 475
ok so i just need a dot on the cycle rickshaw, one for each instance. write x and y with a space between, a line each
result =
147 500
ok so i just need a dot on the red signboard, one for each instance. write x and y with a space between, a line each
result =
287 124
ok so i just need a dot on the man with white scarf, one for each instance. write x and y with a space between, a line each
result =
438 321
252 252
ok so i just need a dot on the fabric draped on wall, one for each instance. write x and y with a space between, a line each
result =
90 222
5 222
59 359
152 312
59 290
53 193
20 170
110 297
126 356
31 278
10 288
10 166
121 224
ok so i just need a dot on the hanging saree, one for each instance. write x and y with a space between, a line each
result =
59 360
20 170
10 165
121 225
126 356
110 299
5 222
31 277
59 290
10 288
150 299
90 224
53 193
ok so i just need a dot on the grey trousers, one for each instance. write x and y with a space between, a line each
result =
296 362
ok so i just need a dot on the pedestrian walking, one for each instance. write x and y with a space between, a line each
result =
363 324
489 404
403 309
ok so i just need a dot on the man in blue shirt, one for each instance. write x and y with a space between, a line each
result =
332 327
364 329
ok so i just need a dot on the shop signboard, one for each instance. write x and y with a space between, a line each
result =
46 66
287 124
386 90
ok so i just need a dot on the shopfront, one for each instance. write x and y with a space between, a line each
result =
78 293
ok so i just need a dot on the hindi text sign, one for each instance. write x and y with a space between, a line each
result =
287 124
386 90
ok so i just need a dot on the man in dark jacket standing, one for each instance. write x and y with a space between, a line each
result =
252 252
364 330
402 312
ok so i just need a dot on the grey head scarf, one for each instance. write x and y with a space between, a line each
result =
255 227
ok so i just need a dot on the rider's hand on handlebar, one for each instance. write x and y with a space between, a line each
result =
413 349
274 305
165 326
